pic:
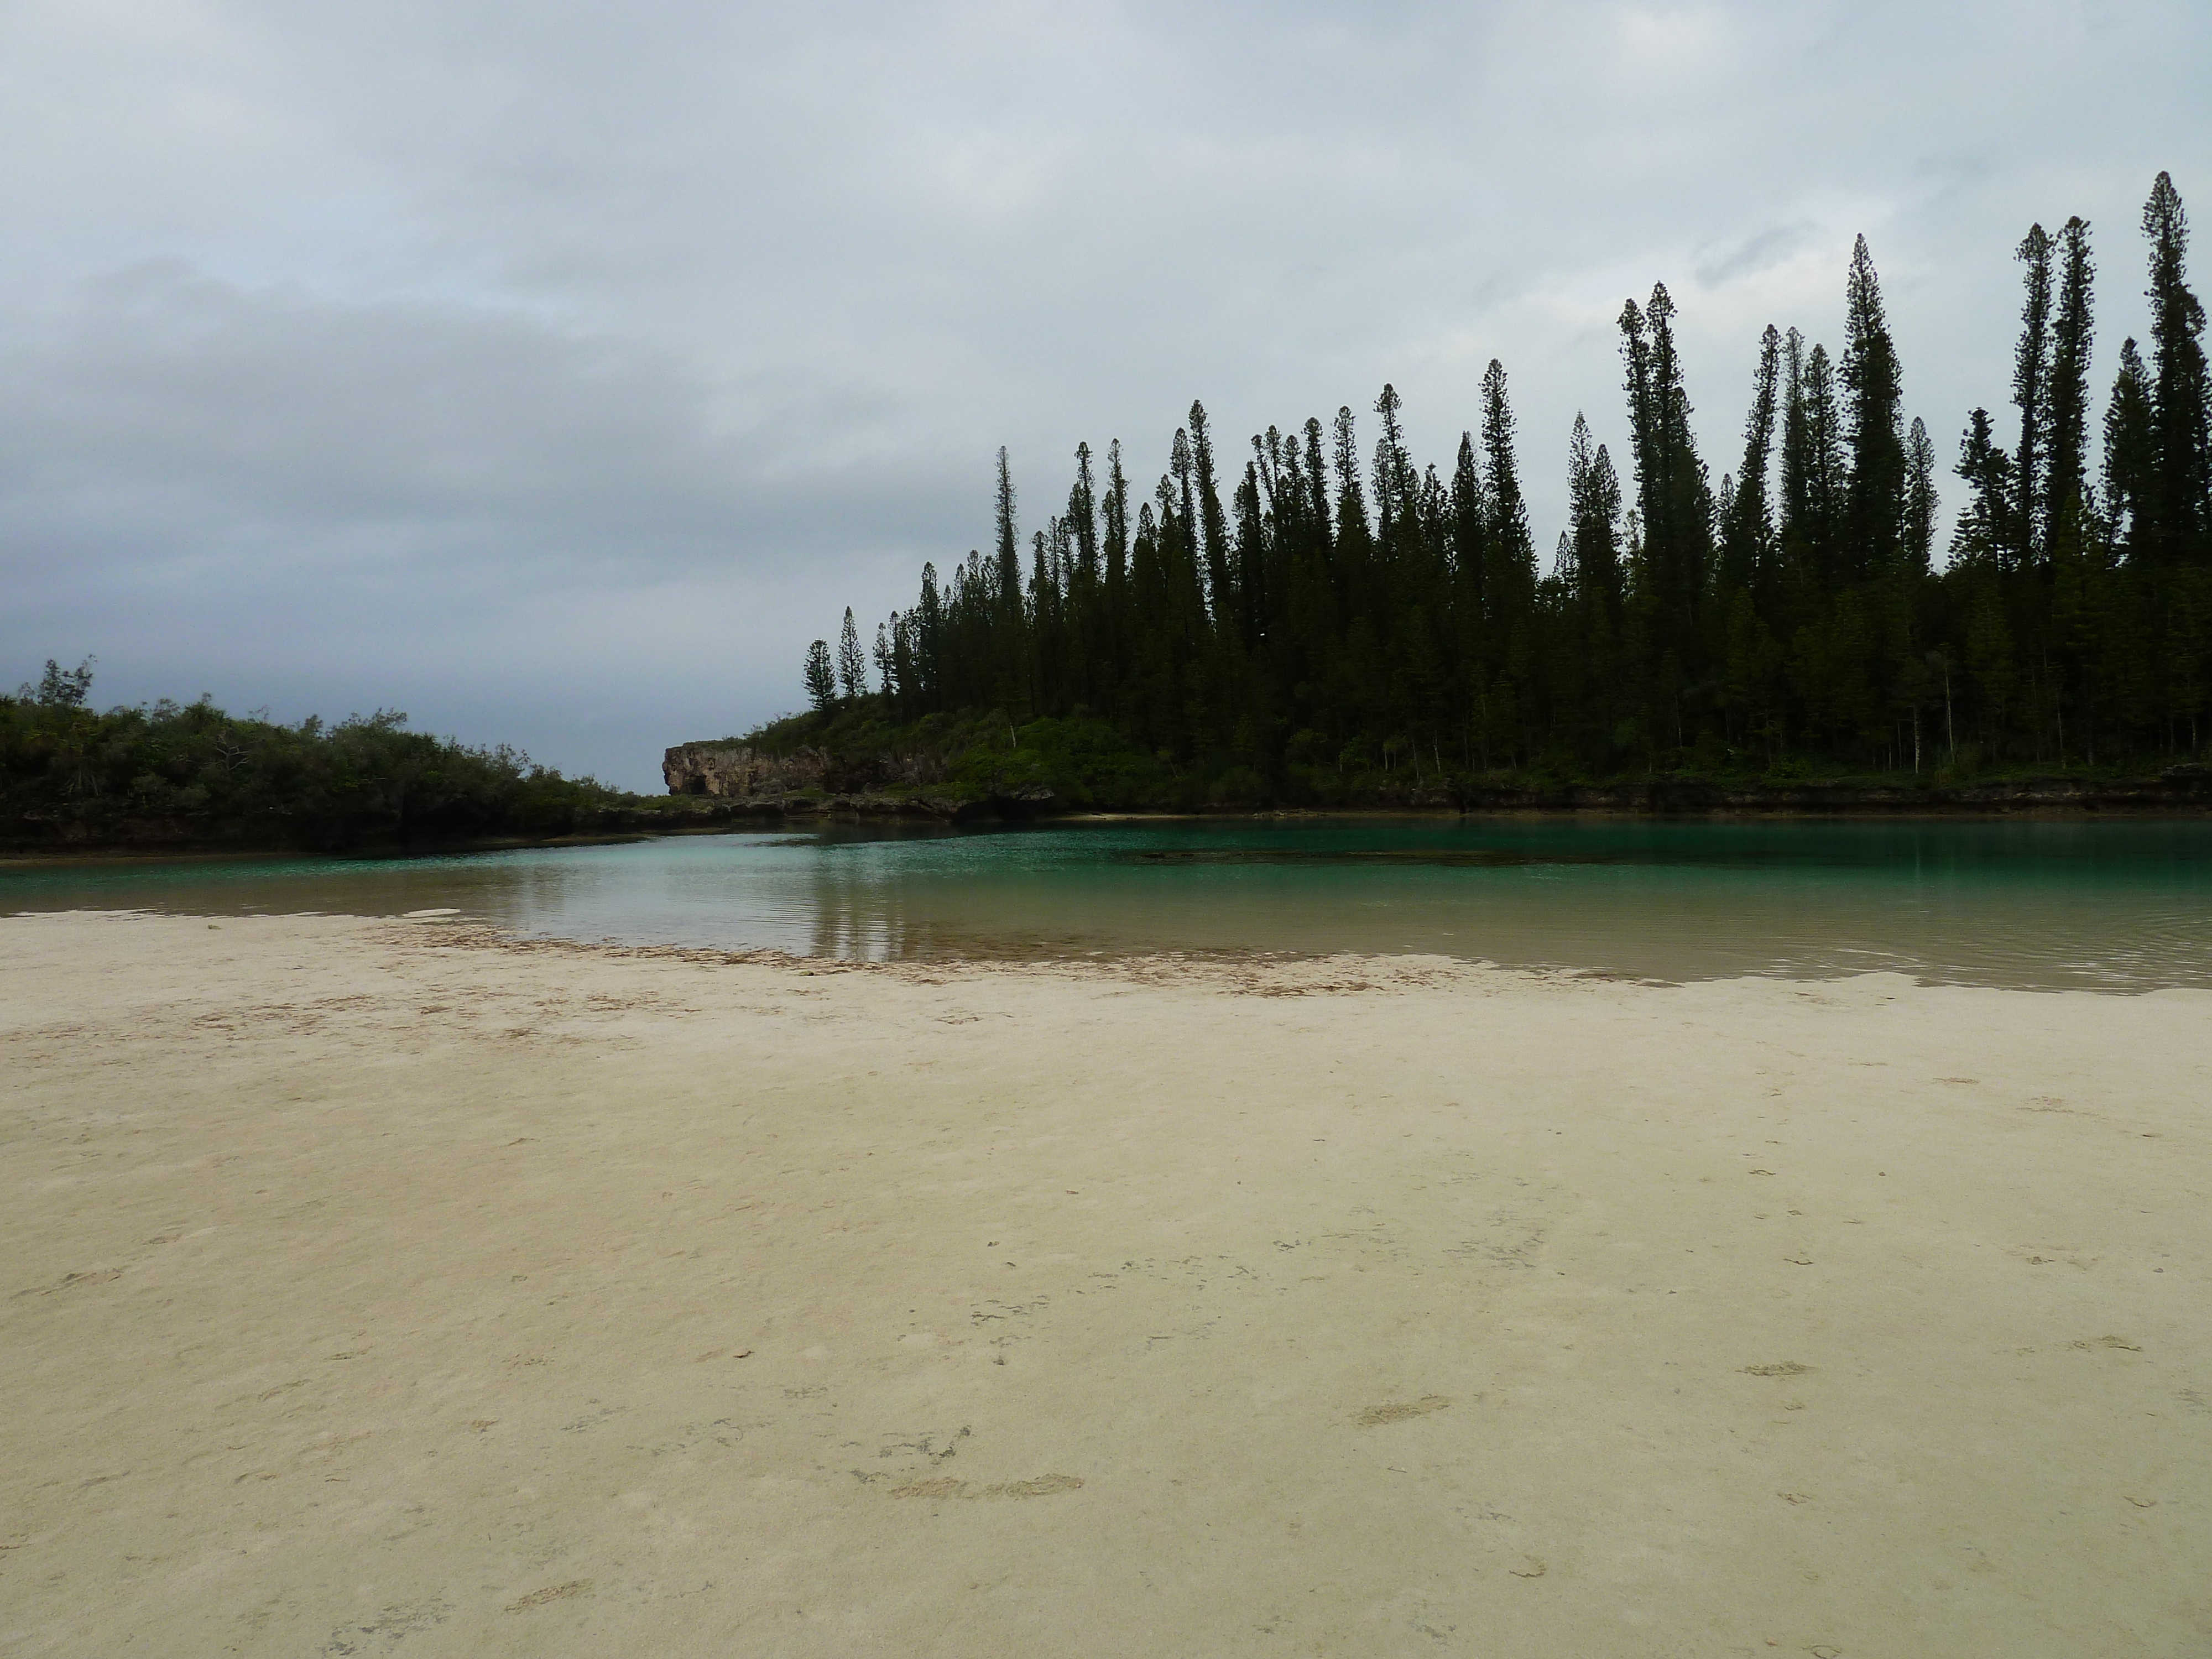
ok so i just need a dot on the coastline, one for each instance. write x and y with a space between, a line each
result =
105 857
399 1279
2186 793
1658 801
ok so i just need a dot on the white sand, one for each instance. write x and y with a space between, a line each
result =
377 1288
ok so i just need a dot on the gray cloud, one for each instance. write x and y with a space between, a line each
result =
556 371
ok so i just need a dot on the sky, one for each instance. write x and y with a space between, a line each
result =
555 372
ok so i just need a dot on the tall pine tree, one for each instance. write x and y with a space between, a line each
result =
1874 507
2031 377
2172 529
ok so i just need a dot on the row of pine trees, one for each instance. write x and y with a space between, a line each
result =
1321 606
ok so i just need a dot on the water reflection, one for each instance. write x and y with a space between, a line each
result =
2116 905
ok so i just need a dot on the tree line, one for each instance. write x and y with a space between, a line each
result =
189 775
1316 607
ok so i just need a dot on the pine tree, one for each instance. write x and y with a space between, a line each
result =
1509 582
821 677
852 665
2173 530
1354 564
1746 525
1395 485
887 658
1672 492
1083 514
1115 628
1795 442
1294 633
2074 552
1351 494
1248 577
1117 512
2130 456
1980 537
1593 502
1005 623
2031 376
1317 477
1009 543
2071 336
1591 565
1044 618
928 628
1501 473
1470 526
1511 578
1875 504
1822 466
1212 525
1922 501
910 696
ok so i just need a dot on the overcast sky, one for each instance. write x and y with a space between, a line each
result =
554 371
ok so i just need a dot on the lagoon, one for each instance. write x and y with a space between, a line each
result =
2080 904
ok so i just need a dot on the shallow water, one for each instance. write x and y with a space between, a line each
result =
2102 904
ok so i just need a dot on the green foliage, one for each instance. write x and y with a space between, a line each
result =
852 665
1335 634
192 774
820 674
59 687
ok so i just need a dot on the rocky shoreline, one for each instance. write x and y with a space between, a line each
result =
724 787
809 783
2181 788
744 782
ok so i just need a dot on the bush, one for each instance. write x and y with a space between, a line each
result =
192 773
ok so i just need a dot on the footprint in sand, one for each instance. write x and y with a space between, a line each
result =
1043 1487
1398 1411
539 1598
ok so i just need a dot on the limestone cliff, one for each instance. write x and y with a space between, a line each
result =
808 782
740 773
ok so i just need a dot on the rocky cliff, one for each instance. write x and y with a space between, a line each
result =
749 782
808 782
740 773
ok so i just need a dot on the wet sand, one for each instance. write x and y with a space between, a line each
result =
381 1288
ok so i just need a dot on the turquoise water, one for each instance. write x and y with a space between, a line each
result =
2105 904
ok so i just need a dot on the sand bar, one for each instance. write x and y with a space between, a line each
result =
379 1288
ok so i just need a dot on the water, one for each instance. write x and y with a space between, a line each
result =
2103 904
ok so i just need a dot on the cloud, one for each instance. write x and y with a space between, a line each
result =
556 372
1756 253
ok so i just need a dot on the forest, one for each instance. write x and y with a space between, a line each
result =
1316 620
172 774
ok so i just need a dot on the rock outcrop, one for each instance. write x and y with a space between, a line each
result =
809 783
740 773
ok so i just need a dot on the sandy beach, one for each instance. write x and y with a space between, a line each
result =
394 1288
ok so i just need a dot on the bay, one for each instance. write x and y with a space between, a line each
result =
2105 904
